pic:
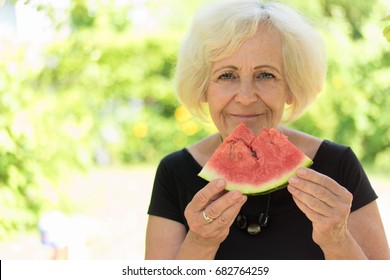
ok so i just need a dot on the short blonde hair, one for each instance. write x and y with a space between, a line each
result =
219 29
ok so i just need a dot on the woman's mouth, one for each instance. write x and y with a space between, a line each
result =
245 116
254 121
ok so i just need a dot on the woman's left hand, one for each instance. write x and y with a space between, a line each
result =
326 204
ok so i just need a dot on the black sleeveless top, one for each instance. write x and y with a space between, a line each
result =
289 232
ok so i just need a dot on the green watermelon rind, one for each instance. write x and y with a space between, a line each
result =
276 184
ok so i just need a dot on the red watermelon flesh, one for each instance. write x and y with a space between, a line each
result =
255 164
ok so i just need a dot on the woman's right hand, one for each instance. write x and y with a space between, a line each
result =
211 213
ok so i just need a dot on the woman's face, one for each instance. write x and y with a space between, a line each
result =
249 86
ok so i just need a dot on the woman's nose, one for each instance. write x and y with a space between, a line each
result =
246 93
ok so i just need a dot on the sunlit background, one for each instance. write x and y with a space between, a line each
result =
88 109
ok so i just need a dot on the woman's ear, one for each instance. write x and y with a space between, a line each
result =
289 99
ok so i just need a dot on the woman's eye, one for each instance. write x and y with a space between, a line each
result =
227 76
265 76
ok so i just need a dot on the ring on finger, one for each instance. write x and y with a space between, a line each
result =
207 218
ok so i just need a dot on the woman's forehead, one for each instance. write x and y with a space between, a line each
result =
265 47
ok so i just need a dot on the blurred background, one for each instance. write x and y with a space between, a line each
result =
88 109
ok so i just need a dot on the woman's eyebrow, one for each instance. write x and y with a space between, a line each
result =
267 66
232 67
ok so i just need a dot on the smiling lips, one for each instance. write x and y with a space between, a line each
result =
245 116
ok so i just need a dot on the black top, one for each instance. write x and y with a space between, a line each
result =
289 232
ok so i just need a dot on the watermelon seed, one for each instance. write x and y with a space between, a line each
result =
254 154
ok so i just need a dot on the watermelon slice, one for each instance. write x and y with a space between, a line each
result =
255 164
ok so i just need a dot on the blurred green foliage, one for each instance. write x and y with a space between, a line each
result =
352 108
104 95
386 29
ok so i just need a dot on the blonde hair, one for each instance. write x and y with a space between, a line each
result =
219 29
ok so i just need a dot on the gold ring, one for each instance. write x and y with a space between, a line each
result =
207 218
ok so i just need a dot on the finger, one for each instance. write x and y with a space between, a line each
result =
227 217
310 213
319 179
310 192
309 203
209 193
215 209
323 187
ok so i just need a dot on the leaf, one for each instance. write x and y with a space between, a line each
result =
387 18
386 33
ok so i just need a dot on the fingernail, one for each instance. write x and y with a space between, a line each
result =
293 180
236 195
301 171
291 188
220 183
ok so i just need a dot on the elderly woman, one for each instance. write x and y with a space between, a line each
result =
261 65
